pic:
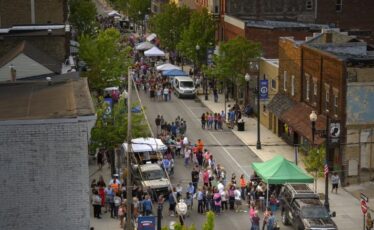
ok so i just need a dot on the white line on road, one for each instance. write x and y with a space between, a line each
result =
228 153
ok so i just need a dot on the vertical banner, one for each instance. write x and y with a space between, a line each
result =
264 92
209 56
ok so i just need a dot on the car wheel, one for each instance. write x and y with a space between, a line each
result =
285 218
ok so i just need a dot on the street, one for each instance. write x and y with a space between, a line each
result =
226 148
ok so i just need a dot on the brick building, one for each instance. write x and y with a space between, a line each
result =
323 73
42 23
337 13
44 133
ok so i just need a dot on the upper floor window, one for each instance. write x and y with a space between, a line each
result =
339 5
274 84
293 85
285 81
309 4
307 87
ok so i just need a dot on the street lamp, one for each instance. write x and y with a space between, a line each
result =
324 133
247 78
254 64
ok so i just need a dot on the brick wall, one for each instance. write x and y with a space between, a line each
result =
44 175
269 38
231 31
19 12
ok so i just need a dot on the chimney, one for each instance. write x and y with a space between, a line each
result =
13 74
328 37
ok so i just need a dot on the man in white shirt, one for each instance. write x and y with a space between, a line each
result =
238 201
220 187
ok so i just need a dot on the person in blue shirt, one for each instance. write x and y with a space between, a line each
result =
147 206
200 199
166 164
232 118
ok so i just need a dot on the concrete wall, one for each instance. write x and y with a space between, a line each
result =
44 175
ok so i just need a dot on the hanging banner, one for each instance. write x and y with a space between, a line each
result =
264 92
209 56
146 222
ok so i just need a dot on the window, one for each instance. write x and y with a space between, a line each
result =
285 81
274 84
315 86
307 87
293 85
309 4
339 5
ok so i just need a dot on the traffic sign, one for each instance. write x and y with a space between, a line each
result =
364 207
364 197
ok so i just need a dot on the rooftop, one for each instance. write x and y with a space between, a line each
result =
269 24
67 96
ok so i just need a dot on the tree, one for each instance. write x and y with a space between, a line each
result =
136 6
170 23
201 31
209 224
232 62
83 15
106 59
110 129
314 163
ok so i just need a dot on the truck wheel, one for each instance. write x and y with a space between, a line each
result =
285 220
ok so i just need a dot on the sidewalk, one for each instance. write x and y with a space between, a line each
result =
346 206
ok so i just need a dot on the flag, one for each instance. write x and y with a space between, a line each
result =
326 169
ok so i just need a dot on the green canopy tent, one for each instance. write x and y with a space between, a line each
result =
280 171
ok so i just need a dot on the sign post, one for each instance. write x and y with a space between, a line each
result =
364 207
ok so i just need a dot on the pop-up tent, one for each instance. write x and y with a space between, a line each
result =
114 13
144 46
280 171
167 66
174 72
154 52
151 37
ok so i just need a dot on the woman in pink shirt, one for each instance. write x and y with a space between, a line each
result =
206 178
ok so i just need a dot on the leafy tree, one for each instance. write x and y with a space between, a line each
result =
201 31
136 6
209 224
106 59
232 62
170 23
110 129
314 163
83 15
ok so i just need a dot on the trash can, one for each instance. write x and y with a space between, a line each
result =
241 126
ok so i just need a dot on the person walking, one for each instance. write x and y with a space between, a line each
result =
271 223
158 124
243 185
255 221
166 93
335 180
200 204
96 203
203 121
147 205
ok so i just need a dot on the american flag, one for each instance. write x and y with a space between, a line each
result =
326 169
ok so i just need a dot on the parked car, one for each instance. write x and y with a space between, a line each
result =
302 209
184 87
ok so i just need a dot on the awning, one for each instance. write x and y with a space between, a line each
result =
279 104
174 73
151 37
144 46
297 118
154 52
280 171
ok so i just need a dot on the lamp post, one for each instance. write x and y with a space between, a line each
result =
247 78
313 118
258 144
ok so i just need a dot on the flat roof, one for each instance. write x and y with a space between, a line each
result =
270 24
67 97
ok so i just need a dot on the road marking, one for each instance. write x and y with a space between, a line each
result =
224 148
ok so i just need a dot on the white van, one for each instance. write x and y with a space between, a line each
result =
184 87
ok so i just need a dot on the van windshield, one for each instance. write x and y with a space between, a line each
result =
186 84
153 175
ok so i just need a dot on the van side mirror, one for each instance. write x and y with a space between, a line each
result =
333 214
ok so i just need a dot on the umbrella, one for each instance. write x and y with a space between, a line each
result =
174 72
144 46
154 52
167 66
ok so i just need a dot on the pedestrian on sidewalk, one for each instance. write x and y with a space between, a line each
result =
255 221
96 203
158 124
215 95
335 180
203 120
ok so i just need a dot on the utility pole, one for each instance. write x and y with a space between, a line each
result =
129 222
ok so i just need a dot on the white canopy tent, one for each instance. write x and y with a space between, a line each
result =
114 13
167 66
154 52
144 46
151 37
142 144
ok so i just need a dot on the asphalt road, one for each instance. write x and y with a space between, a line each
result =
225 147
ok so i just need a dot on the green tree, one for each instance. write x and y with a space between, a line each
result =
83 15
136 6
314 163
201 31
232 62
170 23
110 129
106 59
209 224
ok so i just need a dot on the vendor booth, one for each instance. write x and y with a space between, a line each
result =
167 66
154 52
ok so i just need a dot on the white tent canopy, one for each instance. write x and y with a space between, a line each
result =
167 66
144 46
114 13
142 144
154 52
151 37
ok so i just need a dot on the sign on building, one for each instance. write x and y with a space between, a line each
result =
264 89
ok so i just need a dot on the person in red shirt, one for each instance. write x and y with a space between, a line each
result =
200 145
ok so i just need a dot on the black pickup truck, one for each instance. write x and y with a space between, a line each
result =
302 209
